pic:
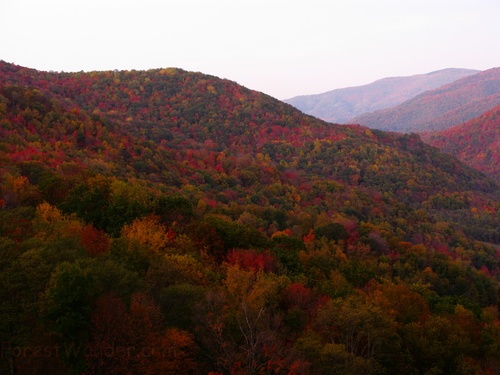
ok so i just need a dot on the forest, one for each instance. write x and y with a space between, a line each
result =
166 221
474 142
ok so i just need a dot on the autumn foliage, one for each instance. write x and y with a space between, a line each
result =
169 222
474 142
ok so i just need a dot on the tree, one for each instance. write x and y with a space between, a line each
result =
94 241
150 232
287 251
178 304
359 332
438 344
403 304
19 190
253 260
67 310
136 341
174 208
332 231
25 270
158 350
240 327
109 350
223 235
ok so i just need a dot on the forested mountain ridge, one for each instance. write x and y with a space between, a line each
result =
214 228
476 142
181 107
341 105
440 108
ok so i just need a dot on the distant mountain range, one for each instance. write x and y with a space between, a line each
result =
341 105
475 142
440 108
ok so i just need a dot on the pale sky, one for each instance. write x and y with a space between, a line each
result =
283 48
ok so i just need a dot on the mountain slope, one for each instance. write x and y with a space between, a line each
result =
179 128
182 111
441 108
166 221
341 105
476 142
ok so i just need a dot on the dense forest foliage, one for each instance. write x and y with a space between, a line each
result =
476 142
166 221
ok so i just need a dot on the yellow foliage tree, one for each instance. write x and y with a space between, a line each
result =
19 190
50 223
149 232
257 290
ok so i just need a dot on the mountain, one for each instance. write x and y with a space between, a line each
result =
166 221
440 108
183 120
341 105
476 142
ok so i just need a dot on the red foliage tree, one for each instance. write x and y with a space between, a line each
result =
94 241
253 260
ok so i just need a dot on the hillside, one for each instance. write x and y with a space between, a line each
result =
166 221
341 105
476 142
441 108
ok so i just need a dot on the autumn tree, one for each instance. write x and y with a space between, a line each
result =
149 232
358 334
241 327
67 310
94 241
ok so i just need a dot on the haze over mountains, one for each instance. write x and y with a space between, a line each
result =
437 109
458 98
341 105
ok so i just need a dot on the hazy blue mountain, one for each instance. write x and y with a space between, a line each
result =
440 108
343 104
